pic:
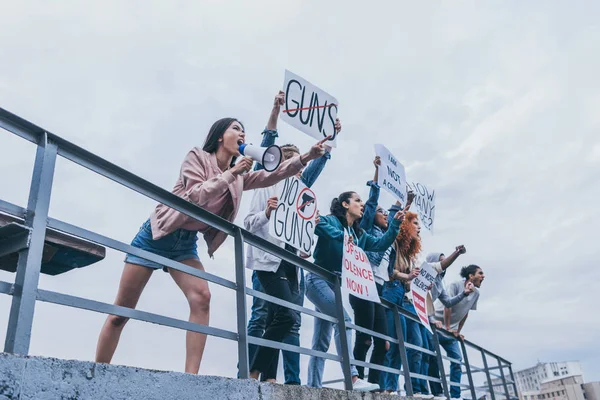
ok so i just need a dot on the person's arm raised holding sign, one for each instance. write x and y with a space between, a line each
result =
268 269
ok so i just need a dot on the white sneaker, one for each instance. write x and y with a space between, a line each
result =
439 397
364 386
423 396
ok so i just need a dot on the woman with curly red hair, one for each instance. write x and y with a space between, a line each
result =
403 268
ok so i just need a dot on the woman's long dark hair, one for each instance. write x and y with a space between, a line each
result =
216 132
338 210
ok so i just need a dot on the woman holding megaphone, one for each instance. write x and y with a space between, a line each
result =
346 211
211 179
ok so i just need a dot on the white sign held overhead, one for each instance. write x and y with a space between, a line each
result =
308 108
392 176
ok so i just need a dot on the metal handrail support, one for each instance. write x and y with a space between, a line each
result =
20 322
487 373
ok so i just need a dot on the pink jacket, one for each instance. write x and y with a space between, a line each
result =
202 182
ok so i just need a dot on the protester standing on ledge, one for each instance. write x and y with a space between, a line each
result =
429 366
454 318
210 179
273 276
368 314
346 211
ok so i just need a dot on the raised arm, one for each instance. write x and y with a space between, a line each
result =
450 301
270 132
446 262
262 178
381 244
314 169
368 217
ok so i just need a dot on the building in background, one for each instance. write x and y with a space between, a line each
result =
531 379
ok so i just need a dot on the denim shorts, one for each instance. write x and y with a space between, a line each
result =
178 246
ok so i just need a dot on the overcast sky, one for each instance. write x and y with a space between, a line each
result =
493 104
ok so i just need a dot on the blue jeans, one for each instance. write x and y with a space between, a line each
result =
414 336
321 294
453 351
428 360
394 293
256 328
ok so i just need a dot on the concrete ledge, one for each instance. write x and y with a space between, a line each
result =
39 378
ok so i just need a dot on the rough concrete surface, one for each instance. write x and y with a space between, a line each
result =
38 378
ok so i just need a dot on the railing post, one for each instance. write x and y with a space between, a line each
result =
402 349
468 368
440 362
339 304
503 379
512 377
487 374
20 321
240 292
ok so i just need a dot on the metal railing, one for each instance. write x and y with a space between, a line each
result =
25 291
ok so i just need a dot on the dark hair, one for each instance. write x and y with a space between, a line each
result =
465 272
338 210
216 132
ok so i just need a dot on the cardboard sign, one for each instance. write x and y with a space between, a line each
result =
293 221
392 176
424 204
357 274
309 108
419 288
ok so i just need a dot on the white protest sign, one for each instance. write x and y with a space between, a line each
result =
293 221
309 108
391 174
424 203
419 288
357 274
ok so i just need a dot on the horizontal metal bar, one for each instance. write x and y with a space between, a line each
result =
7 288
421 349
426 377
12 209
332 381
375 366
372 333
288 347
281 302
105 308
454 360
86 159
126 248
461 385
14 244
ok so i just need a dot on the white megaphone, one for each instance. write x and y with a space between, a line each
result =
268 157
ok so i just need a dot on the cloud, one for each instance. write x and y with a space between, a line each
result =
492 105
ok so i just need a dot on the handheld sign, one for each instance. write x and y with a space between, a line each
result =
391 174
425 204
309 108
293 221
357 274
419 288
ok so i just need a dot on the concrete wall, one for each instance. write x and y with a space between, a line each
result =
37 378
